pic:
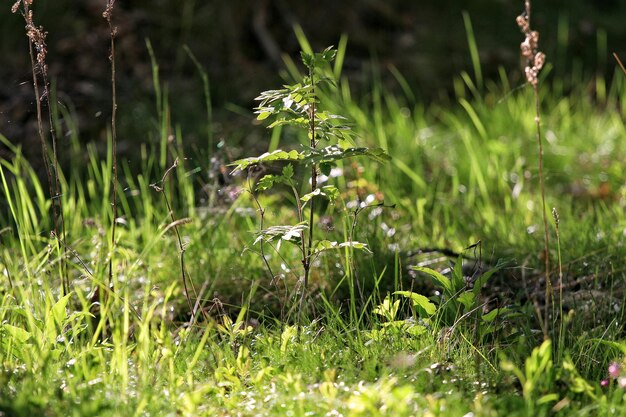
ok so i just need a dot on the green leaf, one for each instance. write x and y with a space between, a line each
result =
277 155
491 316
335 153
458 283
325 168
420 301
548 398
329 191
329 54
288 171
388 309
299 122
415 329
437 277
266 182
307 59
467 298
310 195
59 313
291 234
484 278
263 115
287 336
324 245
16 333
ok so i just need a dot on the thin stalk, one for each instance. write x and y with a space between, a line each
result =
549 291
57 200
308 251
174 224
112 31
555 216
274 278
619 63
535 60
37 40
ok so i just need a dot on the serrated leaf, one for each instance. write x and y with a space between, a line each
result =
305 198
288 171
324 245
277 155
307 59
419 301
291 234
335 153
437 277
329 191
266 182
300 122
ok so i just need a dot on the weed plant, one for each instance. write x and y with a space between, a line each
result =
441 315
299 106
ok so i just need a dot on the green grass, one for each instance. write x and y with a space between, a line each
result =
462 172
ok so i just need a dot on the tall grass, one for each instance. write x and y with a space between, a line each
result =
460 174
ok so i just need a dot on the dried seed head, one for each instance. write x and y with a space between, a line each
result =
522 22
527 50
535 59
531 76
108 11
534 35
540 59
555 215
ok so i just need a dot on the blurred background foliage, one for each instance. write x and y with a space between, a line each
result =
240 44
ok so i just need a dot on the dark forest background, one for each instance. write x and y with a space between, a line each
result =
241 43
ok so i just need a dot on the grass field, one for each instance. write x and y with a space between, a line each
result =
445 315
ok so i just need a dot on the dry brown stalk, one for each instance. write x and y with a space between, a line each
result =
107 14
535 60
37 42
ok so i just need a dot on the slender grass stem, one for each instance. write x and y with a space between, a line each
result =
37 40
112 31
549 292
174 224
561 339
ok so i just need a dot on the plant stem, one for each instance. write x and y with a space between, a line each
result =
549 293
181 247
112 31
36 37
561 340
273 277
308 254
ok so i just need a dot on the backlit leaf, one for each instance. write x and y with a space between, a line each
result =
437 277
419 301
